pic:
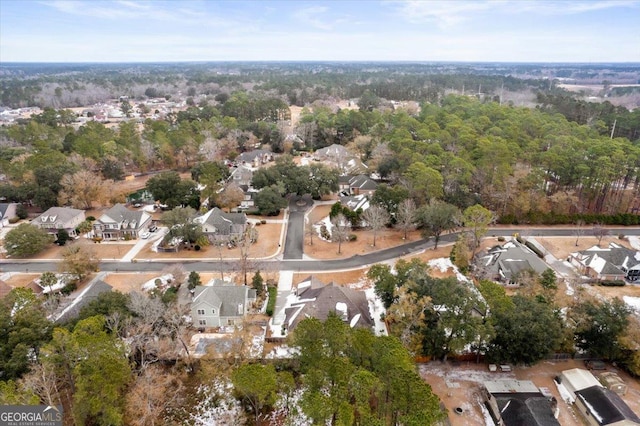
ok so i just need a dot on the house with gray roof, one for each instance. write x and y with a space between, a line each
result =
57 218
241 176
220 304
220 226
254 158
612 263
7 212
121 223
519 403
339 157
314 299
84 298
600 406
505 263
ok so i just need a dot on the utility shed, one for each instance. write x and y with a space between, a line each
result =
519 403
577 379
601 407
613 382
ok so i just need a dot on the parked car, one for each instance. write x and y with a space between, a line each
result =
595 364
144 235
153 228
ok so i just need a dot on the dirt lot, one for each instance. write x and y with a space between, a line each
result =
267 245
458 385
321 249
561 247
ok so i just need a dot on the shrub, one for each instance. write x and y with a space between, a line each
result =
621 237
273 293
258 223
69 288
197 247
91 218
353 237
501 239
534 249
14 220
263 221
612 283
324 233
21 212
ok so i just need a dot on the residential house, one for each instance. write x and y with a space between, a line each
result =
86 296
355 202
505 263
57 218
119 222
519 403
220 226
357 185
577 379
339 157
7 212
220 304
600 406
314 299
241 176
608 264
255 158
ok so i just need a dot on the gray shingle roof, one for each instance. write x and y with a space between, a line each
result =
319 299
608 406
524 409
512 258
89 294
224 222
121 214
58 215
225 297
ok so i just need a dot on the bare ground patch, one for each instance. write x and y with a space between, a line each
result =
267 245
561 247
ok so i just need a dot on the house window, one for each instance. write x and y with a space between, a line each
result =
213 311
202 322
200 311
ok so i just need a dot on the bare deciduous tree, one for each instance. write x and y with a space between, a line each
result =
599 232
406 216
340 230
377 218
230 197
84 188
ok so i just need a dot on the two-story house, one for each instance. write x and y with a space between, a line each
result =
219 304
119 222
220 226
57 218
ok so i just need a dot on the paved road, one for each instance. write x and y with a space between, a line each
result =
294 241
293 265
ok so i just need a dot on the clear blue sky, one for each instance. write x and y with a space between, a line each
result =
481 30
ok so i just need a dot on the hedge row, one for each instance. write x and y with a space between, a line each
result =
538 218
616 283
534 249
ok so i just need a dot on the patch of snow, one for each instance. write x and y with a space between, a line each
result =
151 284
376 309
288 406
592 410
217 406
632 302
564 393
634 241
570 290
282 352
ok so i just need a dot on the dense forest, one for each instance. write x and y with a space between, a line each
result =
523 164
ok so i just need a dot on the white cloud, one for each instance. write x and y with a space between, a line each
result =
310 16
447 14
